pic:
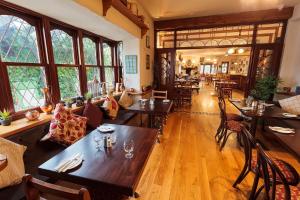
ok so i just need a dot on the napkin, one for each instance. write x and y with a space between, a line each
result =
63 166
282 129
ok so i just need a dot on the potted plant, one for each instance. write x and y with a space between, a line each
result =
69 102
88 96
265 88
5 118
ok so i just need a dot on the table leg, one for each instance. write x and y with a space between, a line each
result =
253 126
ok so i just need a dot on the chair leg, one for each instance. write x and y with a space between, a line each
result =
254 187
219 131
242 175
225 138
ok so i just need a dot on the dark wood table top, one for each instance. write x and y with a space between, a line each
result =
159 107
106 169
270 112
290 141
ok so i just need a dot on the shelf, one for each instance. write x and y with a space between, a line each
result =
118 5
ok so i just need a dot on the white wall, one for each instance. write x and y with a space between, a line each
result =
290 65
131 47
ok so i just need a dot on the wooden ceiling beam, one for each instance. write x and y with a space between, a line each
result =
251 17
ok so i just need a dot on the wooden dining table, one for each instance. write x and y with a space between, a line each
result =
270 112
289 141
159 108
106 173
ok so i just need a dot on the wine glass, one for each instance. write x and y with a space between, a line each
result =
128 148
97 138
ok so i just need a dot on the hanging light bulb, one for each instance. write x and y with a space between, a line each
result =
241 50
231 51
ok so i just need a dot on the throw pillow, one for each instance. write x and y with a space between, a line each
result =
14 171
291 105
112 106
93 114
125 100
66 128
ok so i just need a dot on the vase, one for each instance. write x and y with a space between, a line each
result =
32 115
47 107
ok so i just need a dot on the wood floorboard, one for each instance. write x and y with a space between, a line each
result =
187 164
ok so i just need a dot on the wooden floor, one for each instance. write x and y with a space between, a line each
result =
187 164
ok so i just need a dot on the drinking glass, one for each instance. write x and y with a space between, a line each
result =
97 138
128 148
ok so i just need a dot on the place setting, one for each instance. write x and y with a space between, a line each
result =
282 130
70 164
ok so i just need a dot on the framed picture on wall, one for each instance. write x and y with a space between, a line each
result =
147 61
147 41
131 64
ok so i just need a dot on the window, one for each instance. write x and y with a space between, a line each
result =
92 68
67 71
224 67
19 50
37 52
108 66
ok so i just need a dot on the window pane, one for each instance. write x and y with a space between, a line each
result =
93 72
26 84
93 77
165 39
89 50
109 76
18 41
62 46
107 55
68 78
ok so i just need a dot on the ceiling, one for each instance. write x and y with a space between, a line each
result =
72 13
172 9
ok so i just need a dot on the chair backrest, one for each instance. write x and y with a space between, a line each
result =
222 107
249 144
270 169
156 94
35 187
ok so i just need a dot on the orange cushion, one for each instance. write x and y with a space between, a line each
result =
280 192
286 169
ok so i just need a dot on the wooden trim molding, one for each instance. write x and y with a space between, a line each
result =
118 5
250 17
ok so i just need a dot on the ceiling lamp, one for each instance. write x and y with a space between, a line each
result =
241 50
231 51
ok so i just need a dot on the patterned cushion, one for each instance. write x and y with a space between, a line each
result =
111 106
235 117
66 128
125 100
280 192
287 170
234 126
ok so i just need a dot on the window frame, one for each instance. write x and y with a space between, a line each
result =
74 35
5 89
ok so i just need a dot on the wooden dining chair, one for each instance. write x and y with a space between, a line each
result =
156 94
289 172
228 122
267 168
34 188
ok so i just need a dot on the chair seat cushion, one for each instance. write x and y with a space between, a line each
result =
234 126
287 170
235 117
280 192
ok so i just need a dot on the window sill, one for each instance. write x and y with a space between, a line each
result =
23 124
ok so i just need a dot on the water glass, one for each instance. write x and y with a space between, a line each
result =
128 148
97 138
